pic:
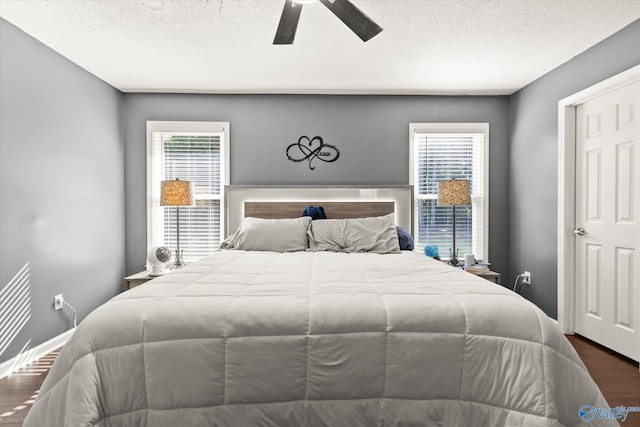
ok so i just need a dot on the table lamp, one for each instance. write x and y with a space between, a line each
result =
454 192
177 193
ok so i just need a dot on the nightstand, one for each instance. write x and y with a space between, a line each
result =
136 280
491 276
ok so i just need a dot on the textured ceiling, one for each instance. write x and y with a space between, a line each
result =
225 46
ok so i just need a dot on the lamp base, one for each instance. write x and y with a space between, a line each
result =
179 262
453 258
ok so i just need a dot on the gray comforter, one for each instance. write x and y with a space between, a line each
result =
316 339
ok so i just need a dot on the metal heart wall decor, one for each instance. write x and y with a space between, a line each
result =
311 149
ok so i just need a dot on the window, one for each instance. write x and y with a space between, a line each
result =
196 152
439 152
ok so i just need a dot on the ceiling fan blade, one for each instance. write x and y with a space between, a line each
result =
288 23
354 18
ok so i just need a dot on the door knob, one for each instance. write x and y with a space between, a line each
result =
580 231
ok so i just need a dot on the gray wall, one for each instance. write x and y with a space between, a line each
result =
73 241
371 132
61 186
534 158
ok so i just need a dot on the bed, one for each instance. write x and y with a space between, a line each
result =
316 338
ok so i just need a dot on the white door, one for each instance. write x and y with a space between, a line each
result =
607 221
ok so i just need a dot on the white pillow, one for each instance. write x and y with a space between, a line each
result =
373 234
277 235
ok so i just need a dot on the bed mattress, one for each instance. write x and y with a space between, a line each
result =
316 339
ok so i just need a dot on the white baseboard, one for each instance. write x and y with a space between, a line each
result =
31 355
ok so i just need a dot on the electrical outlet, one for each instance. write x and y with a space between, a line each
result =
526 278
58 301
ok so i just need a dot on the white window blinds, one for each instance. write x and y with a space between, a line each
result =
440 154
193 156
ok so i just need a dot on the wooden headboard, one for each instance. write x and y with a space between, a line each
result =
354 209
338 202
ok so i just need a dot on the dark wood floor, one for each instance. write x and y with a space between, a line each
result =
19 390
617 377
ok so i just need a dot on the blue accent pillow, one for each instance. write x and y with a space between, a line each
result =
431 251
405 239
315 212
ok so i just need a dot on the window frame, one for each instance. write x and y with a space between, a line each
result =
449 128
187 127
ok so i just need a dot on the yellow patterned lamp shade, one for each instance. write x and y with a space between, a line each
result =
176 193
454 192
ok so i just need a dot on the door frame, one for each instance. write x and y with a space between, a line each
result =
567 190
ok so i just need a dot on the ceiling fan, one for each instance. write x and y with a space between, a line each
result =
348 13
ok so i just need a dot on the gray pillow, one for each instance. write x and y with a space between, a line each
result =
374 234
277 235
